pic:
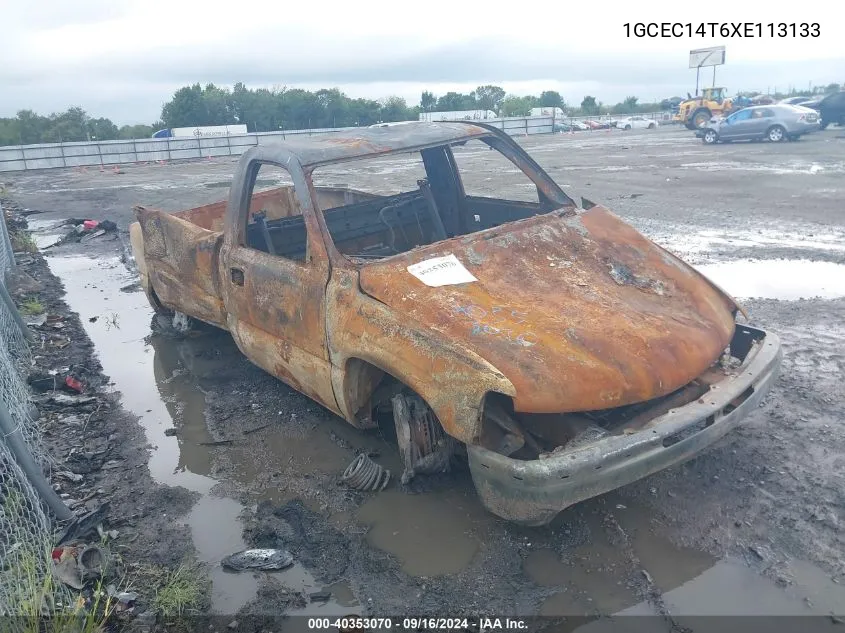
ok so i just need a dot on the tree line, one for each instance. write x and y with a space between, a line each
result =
282 108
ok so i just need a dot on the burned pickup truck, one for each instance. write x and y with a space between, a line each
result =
553 346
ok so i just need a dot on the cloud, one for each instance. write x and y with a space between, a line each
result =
122 59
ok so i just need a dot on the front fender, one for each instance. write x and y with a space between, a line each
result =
451 379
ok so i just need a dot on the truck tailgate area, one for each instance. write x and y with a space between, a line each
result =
181 261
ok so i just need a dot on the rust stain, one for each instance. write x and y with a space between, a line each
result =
576 337
571 311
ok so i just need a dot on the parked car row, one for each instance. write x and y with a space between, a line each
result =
627 123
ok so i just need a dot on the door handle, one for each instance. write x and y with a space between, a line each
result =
237 276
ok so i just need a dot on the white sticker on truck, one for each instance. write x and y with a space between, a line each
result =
441 271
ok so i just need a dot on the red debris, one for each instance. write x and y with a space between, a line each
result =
74 384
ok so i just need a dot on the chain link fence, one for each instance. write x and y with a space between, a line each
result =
25 525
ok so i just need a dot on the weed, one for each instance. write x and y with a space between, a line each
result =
43 606
32 306
182 590
23 241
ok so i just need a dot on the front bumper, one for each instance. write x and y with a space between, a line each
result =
534 492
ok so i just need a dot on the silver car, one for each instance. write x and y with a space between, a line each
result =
775 122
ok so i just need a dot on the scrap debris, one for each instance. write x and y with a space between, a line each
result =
84 230
258 559
364 474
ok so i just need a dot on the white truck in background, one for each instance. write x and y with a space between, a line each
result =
458 115
201 131
548 111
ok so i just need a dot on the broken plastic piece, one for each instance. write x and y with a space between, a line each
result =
74 384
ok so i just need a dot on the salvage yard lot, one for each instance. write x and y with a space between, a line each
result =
762 511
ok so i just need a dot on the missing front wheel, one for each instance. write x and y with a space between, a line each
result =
423 444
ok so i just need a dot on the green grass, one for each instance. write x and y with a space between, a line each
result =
23 241
31 306
180 591
41 605
44 607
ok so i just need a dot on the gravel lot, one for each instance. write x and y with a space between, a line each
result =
753 526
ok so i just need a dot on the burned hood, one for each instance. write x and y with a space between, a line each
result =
579 311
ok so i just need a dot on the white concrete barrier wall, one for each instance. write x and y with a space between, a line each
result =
123 152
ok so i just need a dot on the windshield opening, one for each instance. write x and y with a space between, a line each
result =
396 203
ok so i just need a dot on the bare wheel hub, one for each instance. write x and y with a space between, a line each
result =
425 447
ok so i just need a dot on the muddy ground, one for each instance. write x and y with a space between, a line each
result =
754 526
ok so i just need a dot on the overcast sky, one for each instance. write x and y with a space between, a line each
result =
124 58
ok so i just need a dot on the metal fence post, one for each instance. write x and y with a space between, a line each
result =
6 298
15 442
6 243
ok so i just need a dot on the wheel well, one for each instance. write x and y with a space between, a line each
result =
368 389
379 399
360 381
155 302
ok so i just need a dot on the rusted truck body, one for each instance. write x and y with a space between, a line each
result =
555 346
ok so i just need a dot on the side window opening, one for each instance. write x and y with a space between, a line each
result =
274 223
381 206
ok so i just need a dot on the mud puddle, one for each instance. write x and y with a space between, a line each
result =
787 279
445 532
704 241
402 524
617 565
47 233
791 167
159 380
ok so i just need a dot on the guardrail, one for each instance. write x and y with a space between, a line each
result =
123 152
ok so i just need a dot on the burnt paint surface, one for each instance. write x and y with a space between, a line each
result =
278 318
451 379
184 261
578 312
317 150
280 202
570 311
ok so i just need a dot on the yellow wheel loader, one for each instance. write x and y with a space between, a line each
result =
696 112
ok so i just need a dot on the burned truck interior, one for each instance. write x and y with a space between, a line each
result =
433 207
